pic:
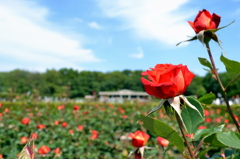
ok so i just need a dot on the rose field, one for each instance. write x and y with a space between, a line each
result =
87 130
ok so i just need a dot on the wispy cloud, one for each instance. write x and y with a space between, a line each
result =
139 54
94 25
159 20
28 37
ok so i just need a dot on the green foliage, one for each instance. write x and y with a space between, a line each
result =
191 117
207 99
230 139
163 130
205 62
231 65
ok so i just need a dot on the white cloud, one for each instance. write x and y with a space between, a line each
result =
159 20
95 25
138 55
28 38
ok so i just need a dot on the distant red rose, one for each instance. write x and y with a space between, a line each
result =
60 107
205 21
6 110
56 122
163 142
57 150
41 126
190 136
206 112
44 150
94 134
85 112
226 121
202 127
80 127
64 124
75 107
1 105
25 121
23 140
71 131
34 136
166 80
208 120
139 138
1 156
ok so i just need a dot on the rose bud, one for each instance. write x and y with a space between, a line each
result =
205 21
139 138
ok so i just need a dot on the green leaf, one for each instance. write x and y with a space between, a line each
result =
231 66
203 133
212 139
191 117
208 98
205 62
193 38
163 130
230 139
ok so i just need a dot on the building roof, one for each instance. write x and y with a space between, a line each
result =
124 92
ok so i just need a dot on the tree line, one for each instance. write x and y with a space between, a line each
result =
73 84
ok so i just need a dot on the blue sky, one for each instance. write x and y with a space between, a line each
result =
109 35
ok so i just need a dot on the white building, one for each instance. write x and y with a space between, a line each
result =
123 95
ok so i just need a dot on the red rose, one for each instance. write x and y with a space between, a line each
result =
57 150
205 21
34 136
202 127
167 80
163 142
94 134
41 126
44 150
25 121
80 127
60 107
75 107
139 138
71 131
64 124
23 140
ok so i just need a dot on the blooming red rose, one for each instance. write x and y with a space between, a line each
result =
76 107
64 124
44 150
94 134
202 127
34 136
71 131
205 21
41 126
80 127
60 107
163 142
206 112
139 138
57 150
25 121
167 80
23 140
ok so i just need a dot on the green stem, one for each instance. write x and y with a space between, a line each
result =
180 123
214 71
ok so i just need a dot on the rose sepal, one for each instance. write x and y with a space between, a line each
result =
205 36
140 149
